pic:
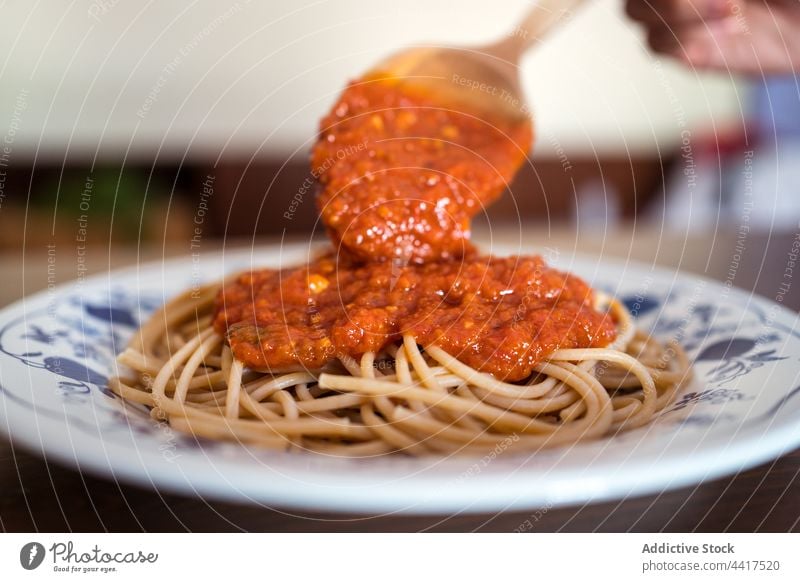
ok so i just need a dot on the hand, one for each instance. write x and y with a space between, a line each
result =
742 36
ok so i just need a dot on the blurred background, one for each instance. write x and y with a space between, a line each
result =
126 122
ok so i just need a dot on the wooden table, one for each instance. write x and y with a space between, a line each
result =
40 496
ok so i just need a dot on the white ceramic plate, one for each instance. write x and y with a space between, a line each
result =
57 349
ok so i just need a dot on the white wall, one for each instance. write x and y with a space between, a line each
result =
256 76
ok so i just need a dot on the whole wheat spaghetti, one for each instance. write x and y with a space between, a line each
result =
405 399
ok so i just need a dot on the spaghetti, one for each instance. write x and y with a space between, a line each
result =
326 357
404 398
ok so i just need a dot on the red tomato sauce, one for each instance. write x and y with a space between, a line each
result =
498 315
401 176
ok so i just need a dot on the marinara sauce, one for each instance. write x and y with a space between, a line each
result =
499 315
401 176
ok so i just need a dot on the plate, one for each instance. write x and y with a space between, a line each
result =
742 408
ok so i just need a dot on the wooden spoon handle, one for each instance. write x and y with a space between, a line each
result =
542 17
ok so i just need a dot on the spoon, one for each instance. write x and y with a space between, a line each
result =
484 78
